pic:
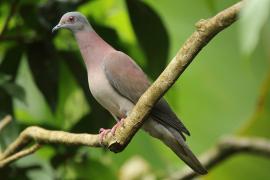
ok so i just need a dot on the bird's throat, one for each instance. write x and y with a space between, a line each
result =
93 48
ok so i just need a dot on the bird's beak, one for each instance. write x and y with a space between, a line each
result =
58 26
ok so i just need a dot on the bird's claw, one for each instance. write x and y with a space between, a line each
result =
119 123
103 132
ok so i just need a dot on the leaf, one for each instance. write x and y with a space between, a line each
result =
4 78
11 61
70 95
36 110
8 69
44 66
253 17
15 91
151 34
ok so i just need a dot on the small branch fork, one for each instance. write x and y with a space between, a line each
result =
226 148
206 30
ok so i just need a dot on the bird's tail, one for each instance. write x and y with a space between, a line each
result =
174 140
181 149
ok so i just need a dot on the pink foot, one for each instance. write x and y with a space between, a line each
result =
119 123
102 133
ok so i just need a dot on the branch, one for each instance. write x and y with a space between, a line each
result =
225 149
5 121
19 155
206 30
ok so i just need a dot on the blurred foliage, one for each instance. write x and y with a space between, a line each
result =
43 82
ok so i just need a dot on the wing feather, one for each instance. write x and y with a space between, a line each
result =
129 80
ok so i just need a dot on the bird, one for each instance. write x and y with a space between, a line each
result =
117 83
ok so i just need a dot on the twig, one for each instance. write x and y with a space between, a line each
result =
5 121
225 149
206 30
40 136
19 155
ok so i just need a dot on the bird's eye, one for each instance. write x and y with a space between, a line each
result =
71 19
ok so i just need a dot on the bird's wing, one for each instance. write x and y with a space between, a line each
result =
125 76
129 80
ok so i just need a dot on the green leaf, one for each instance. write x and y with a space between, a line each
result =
44 65
11 60
15 90
70 95
151 34
252 19
36 110
4 78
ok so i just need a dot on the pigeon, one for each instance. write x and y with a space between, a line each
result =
117 83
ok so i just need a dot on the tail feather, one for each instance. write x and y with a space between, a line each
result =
182 150
174 140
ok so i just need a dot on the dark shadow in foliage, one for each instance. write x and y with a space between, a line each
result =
9 66
109 35
151 34
12 172
44 66
63 154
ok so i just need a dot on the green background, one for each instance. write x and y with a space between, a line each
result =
225 91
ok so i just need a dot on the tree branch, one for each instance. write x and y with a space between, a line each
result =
225 149
19 155
206 30
5 121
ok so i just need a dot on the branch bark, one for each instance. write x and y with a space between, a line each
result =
206 30
226 148
5 121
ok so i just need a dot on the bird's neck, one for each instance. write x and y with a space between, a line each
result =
93 48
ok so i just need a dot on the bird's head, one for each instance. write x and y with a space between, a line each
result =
73 21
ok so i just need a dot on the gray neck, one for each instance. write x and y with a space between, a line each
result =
86 27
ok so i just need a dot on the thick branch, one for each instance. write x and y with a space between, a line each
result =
225 149
206 30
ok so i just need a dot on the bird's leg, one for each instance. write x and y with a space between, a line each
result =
103 132
119 123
